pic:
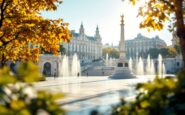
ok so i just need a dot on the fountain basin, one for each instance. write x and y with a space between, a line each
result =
122 73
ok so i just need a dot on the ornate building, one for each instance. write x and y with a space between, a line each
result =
175 39
88 48
142 44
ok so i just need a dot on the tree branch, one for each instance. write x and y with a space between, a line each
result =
3 7
7 42
2 35
168 3
2 13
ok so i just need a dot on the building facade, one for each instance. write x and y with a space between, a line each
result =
88 48
50 64
142 44
175 39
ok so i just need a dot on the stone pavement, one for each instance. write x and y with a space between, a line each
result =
89 88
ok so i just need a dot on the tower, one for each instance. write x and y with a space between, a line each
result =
81 31
97 34
122 40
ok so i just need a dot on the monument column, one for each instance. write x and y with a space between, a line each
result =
122 40
122 69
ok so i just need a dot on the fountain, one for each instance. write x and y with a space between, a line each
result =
140 68
110 62
107 59
159 69
164 69
75 68
130 64
152 69
136 64
64 71
148 66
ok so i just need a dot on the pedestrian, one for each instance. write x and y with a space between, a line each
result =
78 74
54 75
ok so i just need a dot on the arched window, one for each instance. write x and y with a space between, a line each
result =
47 69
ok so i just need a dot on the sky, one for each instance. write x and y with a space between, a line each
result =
106 14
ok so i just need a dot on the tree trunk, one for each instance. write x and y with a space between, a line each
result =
3 62
182 44
180 26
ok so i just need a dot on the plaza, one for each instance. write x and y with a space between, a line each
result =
100 85
55 57
85 94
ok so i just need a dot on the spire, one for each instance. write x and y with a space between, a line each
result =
97 34
81 26
97 30
81 29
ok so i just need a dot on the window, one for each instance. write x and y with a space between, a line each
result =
126 64
120 64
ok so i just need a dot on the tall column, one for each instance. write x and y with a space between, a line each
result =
122 40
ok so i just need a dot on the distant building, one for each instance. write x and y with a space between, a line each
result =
173 65
110 46
175 39
142 44
106 45
88 48
50 64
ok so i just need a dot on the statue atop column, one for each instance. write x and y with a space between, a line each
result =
122 68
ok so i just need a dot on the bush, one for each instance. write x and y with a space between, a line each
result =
163 96
18 97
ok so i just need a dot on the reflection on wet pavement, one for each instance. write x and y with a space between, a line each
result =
86 94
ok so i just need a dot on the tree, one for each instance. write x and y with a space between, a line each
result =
23 32
172 52
165 52
112 52
106 51
153 52
178 49
157 12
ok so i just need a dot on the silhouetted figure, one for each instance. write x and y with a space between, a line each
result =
55 75
78 74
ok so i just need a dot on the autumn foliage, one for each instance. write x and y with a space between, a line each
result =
156 13
23 31
19 96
